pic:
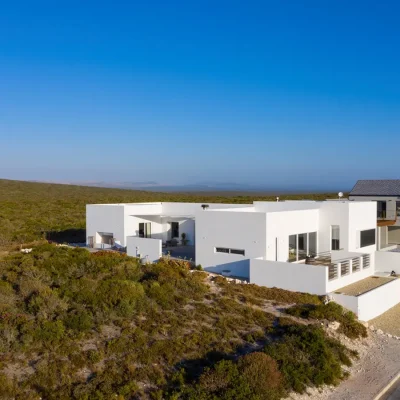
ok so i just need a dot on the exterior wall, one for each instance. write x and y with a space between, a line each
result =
390 204
236 230
348 302
280 225
143 247
362 216
377 301
105 218
186 225
351 218
333 213
387 261
343 281
393 234
301 205
373 303
289 276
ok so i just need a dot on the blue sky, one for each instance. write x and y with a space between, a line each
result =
272 93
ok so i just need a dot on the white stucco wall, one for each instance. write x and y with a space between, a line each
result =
236 230
289 276
373 303
387 261
149 248
348 302
280 225
377 301
106 218
390 204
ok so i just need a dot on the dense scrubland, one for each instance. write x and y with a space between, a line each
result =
81 325
31 211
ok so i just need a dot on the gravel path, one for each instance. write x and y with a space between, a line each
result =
389 321
379 362
364 285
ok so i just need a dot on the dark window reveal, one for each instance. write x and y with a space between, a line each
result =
367 238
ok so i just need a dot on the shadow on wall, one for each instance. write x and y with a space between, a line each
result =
237 268
67 236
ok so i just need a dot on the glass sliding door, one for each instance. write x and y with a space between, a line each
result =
302 246
145 229
335 235
312 244
292 248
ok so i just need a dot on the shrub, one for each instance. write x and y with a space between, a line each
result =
261 373
50 331
79 321
331 312
306 356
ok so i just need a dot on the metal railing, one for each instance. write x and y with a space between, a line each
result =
345 268
356 264
366 261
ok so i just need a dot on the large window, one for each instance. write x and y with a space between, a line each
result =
367 238
229 251
398 208
302 245
312 243
145 229
335 235
292 248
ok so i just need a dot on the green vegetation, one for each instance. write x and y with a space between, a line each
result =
331 312
31 211
81 325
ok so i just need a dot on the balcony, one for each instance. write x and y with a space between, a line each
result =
341 267
387 218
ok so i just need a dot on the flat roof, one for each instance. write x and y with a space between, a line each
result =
365 285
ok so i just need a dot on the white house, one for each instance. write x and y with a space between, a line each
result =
305 246
387 195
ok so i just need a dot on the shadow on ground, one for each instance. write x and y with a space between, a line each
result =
67 236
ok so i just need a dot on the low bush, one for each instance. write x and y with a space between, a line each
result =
307 357
331 312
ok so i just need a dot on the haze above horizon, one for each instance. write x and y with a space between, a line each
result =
260 93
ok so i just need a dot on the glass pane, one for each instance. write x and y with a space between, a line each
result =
236 251
148 230
141 229
292 248
335 237
312 245
367 238
302 246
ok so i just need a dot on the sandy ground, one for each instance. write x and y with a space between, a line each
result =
365 285
389 321
379 362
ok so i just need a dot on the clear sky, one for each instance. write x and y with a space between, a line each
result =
288 93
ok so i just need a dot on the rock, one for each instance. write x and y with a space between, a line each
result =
389 335
372 327
334 325
366 324
379 332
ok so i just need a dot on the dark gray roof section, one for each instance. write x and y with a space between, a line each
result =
384 187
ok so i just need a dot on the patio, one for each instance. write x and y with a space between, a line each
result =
182 252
